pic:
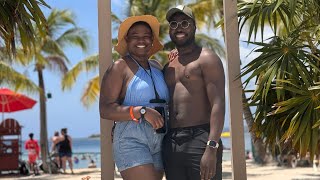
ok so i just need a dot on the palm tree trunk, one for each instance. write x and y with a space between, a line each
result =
43 122
258 149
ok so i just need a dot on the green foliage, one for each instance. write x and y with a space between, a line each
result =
16 23
12 78
286 73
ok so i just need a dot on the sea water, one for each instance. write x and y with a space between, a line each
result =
85 149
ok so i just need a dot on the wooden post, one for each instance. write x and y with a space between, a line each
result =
105 59
235 90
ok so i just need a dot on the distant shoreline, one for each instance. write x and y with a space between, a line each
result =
94 136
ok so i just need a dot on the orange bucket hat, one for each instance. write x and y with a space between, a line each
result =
153 22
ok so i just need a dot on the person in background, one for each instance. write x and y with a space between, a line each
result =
92 164
75 159
127 88
65 150
33 149
83 157
195 77
55 148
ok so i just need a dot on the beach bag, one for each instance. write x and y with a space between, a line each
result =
24 169
54 154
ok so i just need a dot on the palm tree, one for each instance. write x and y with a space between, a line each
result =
49 54
286 72
157 8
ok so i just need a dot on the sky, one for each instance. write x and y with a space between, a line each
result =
64 109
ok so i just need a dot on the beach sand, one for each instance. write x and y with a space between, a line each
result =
254 172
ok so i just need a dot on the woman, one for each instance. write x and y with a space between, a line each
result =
65 150
126 90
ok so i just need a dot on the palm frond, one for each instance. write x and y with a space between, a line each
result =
52 47
91 92
74 36
16 23
59 19
57 64
90 63
10 77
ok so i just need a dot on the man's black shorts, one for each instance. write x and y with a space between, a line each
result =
182 152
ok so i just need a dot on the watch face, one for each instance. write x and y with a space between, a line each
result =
213 144
142 111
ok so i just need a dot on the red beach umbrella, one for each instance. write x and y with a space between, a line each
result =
11 101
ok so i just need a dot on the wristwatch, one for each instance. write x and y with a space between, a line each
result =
143 111
213 144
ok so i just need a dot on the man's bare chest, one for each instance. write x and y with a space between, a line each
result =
179 73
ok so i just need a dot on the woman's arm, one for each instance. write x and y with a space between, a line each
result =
112 83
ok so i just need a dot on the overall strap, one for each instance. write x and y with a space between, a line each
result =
154 87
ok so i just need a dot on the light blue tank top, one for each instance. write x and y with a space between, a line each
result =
140 89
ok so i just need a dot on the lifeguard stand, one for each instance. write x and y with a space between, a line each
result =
10 145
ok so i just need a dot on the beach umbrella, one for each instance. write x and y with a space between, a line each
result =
11 101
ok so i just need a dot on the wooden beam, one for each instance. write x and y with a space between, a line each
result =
105 60
235 89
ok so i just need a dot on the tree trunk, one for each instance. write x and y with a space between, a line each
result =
43 121
258 149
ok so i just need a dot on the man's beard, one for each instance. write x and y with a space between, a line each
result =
186 43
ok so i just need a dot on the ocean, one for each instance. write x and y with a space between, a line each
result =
86 148
83 149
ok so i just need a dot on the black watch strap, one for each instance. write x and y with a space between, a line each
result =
143 111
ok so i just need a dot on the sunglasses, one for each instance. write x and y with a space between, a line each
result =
184 24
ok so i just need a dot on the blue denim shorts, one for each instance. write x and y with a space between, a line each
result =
136 144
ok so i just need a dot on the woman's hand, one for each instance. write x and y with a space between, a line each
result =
154 118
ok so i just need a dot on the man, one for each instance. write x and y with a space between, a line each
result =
33 149
195 78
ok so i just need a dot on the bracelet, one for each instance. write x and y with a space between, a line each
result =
132 115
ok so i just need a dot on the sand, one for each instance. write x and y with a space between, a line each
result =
254 172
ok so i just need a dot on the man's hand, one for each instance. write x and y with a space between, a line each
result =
208 164
173 54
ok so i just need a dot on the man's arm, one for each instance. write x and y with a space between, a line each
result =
213 75
214 78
